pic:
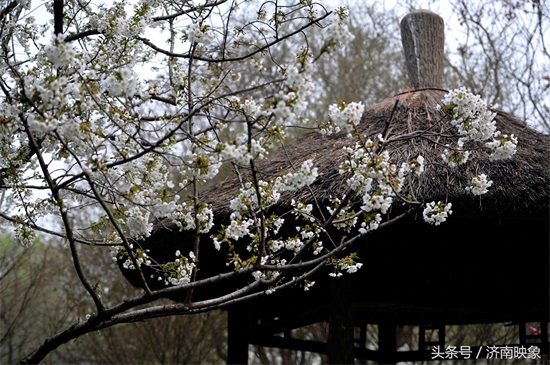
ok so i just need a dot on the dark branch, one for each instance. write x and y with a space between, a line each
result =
233 59
77 36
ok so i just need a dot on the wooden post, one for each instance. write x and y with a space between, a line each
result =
237 342
423 37
387 343
340 344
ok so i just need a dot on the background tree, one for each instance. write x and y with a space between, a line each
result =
370 68
32 286
503 54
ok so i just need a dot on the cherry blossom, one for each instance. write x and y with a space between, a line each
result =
130 115
479 185
437 213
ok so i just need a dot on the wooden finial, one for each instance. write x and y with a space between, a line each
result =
423 37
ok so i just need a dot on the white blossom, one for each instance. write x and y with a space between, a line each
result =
337 33
251 108
258 275
24 235
293 244
456 156
318 248
343 117
417 165
304 176
302 210
437 213
186 217
247 199
138 223
471 116
502 146
123 82
353 268
346 264
181 272
59 53
237 151
374 177
479 185
371 225
308 284
237 228
200 33
379 202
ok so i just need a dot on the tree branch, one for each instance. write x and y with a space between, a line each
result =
233 59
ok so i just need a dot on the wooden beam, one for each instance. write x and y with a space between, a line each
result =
265 325
290 343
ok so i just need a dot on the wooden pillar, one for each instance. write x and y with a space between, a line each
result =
237 341
340 343
387 343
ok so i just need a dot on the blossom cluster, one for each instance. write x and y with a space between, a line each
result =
120 253
304 176
475 123
59 53
479 185
343 117
176 272
247 220
376 179
370 176
200 33
502 146
123 82
337 33
289 105
416 165
455 156
302 210
437 213
347 264
24 235
470 115
187 217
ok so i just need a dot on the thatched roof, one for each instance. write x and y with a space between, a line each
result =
521 185
520 188
415 126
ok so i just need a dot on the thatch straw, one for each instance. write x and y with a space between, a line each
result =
520 184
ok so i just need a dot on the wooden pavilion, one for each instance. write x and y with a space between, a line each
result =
489 263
